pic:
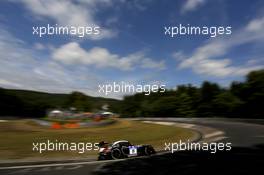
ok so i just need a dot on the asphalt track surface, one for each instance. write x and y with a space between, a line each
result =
239 133
246 157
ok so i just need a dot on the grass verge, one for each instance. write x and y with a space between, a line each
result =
17 137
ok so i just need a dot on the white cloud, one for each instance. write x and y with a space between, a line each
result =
7 83
255 61
209 59
73 53
179 55
81 13
191 5
70 13
149 63
255 25
39 46
22 68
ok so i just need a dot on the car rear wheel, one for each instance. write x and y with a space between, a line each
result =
149 150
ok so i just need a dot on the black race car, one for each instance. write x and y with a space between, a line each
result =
123 149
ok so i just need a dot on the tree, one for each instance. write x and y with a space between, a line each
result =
184 107
208 92
227 105
79 101
255 93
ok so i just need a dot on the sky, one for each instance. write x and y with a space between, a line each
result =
132 46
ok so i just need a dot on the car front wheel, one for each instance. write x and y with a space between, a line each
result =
116 154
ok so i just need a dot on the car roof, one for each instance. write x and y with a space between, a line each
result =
119 141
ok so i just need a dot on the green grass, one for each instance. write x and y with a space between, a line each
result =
17 137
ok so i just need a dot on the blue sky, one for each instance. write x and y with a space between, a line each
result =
132 46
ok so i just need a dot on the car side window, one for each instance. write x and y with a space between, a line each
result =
126 144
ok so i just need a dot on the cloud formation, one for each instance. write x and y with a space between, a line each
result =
191 5
70 13
23 68
209 59
73 53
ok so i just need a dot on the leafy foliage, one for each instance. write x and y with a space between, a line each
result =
23 103
241 99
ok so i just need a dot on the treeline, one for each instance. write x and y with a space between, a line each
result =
241 99
24 103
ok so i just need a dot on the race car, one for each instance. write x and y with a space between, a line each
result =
123 149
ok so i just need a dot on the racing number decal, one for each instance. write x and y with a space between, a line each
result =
132 151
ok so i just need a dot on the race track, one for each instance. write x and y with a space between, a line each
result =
240 134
